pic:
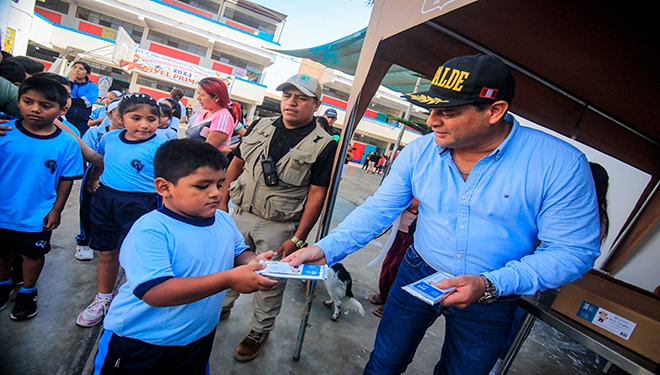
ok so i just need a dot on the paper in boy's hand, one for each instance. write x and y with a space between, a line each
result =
285 271
426 290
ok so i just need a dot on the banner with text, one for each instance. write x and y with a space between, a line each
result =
170 68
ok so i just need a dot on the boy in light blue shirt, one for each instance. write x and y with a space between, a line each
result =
179 261
38 165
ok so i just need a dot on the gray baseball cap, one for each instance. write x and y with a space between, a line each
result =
309 85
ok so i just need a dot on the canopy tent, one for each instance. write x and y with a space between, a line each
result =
582 69
343 54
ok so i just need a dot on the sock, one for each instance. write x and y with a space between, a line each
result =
6 282
106 295
28 290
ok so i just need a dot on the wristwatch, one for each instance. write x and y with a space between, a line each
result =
298 242
490 294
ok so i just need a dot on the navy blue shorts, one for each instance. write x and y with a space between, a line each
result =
122 355
29 244
113 213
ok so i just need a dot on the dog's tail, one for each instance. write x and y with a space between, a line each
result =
355 305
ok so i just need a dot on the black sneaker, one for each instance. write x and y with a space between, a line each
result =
5 291
26 306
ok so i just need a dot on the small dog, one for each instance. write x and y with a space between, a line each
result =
339 284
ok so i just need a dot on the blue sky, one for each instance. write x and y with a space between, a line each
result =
314 22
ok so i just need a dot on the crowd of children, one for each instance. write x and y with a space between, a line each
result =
145 192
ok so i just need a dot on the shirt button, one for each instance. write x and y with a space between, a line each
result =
465 196
458 255
462 227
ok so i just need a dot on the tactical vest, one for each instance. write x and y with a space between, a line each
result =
286 200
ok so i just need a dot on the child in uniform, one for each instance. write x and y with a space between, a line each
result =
92 138
179 261
98 115
126 192
38 165
164 129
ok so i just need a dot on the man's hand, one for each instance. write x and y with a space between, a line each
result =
286 249
245 280
310 255
52 220
469 288
4 128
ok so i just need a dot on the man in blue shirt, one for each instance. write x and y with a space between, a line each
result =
507 210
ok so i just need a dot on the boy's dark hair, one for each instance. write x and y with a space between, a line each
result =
166 109
179 158
132 101
31 67
54 76
177 94
85 66
50 89
12 71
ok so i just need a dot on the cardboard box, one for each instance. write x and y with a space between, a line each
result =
621 312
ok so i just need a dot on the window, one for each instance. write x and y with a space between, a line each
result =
335 93
254 69
103 20
54 5
163 85
248 20
206 5
176 43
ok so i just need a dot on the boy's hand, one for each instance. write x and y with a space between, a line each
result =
93 185
310 255
52 220
263 256
245 280
4 128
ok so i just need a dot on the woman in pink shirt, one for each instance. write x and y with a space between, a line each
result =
217 110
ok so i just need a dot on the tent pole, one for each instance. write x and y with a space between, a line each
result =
403 129
326 215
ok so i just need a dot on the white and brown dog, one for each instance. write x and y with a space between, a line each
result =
339 285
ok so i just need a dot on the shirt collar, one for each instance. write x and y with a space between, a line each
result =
301 130
206 222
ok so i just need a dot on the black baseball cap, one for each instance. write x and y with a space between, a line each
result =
466 80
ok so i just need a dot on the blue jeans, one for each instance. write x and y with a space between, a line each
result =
474 336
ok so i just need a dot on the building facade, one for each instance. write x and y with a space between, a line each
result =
175 42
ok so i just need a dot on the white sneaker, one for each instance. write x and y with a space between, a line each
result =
84 253
95 312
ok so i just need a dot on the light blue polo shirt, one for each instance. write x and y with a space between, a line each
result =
31 168
129 165
162 245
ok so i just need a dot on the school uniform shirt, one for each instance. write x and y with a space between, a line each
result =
167 133
31 169
128 165
526 217
97 113
93 136
162 245
70 125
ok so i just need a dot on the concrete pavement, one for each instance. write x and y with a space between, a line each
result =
52 343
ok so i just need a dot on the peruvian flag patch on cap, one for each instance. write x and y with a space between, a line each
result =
487 93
